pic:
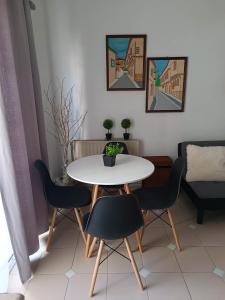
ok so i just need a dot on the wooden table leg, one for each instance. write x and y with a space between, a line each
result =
94 197
127 188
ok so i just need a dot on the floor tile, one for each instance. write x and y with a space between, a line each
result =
119 264
46 287
124 287
205 286
186 235
83 264
56 261
160 259
194 259
217 254
211 234
79 285
155 236
168 286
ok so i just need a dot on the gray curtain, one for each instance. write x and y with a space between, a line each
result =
22 133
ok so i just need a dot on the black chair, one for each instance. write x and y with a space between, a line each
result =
114 217
115 187
60 197
162 198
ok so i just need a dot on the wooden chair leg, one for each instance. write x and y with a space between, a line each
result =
92 247
141 233
80 224
174 229
51 227
87 245
94 276
139 241
133 263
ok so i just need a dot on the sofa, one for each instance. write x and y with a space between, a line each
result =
206 195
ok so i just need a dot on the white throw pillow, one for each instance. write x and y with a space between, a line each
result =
205 163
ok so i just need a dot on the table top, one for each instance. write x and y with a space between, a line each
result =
128 169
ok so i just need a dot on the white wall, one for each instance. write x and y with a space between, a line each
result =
40 29
194 28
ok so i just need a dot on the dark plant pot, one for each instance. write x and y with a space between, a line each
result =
126 136
108 136
109 161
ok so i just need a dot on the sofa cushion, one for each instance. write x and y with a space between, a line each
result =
11 296
207 190
205 163
182 148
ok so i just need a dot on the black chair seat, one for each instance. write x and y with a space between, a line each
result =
68 196
114 217
152 198
63 197
163 197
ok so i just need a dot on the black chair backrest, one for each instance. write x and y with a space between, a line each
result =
174 182
114 217
125 150
48 185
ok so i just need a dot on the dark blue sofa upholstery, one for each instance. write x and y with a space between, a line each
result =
206 195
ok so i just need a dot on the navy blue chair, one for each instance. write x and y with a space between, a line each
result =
163 197
61 197
114 217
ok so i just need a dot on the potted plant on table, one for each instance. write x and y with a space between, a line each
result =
126 123
109 158
108 124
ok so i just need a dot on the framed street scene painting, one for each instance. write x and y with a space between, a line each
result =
125 62
166 82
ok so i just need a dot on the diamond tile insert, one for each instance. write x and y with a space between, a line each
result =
69 274
171 246
192 226
144 272
218 272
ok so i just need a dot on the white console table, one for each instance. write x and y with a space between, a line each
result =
81 148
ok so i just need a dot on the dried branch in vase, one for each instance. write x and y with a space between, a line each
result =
65 126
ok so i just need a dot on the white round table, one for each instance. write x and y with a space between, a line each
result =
128 169
91 169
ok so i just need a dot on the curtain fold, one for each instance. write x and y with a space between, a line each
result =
22 133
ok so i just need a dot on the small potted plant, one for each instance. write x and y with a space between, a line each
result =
108 124
109 158
126 123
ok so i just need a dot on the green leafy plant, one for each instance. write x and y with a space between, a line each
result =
108 124
125 123
113 149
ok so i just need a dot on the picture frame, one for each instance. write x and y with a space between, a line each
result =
166 84
125 62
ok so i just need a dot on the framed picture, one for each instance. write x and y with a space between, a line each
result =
125 62
166 82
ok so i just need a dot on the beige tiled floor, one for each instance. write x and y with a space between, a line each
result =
172 275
